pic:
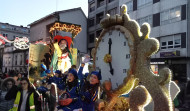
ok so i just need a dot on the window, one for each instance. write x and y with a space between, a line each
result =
98 33
99 17
20 59
112 11
141 3
111 1
169 42
163 45
92 7
100 3
147 19
5 35
171 15
91 21
3 26
9 60
91 38
129 6
177 43
15 60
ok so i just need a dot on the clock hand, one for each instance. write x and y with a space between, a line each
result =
110 43
111 69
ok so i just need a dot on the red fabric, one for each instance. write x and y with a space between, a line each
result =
63 57
65 102
68 39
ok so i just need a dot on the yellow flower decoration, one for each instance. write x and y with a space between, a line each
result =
107 58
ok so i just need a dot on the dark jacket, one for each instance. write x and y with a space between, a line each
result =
13 93
5 105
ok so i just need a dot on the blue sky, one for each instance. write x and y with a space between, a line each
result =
24 12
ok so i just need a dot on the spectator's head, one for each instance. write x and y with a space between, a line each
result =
72 75
74 67
57 73
107 85
95 77
25 84
19 75
8 83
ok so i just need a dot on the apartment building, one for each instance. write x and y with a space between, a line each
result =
97 9
169 21
9 55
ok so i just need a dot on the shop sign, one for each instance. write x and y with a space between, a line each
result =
157 62
170 54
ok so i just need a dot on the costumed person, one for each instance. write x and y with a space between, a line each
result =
69 99
26 98
56 78
89 89
43 71
6 85
62 58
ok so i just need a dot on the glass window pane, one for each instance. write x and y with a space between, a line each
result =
163 47
177 41
170 46
177 46
163 43
170 42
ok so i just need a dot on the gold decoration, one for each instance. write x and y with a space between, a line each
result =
139 98
107 58
74 29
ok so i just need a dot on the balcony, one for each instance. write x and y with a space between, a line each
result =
92 9
100 3
90 1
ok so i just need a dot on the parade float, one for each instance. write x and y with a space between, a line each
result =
122 53
58 54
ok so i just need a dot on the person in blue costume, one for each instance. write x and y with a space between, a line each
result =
69 99
43 70
89 89
56 78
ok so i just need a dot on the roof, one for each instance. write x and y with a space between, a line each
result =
54 13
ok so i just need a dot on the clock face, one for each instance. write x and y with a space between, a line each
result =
120 52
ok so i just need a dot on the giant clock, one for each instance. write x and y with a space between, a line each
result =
114 55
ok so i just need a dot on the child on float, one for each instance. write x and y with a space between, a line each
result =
69 98
89 89
56 78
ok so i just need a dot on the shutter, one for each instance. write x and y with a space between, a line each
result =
134 5
156 19
155 1
183 12
183 40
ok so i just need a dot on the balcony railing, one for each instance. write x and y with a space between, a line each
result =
92 9
101 3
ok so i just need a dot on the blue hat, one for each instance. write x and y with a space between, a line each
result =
74 72
48 71
86 75
43 66
98 74
58 71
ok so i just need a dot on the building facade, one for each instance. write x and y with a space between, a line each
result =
15 60
97 9
39 30
9 55
169 24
